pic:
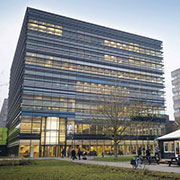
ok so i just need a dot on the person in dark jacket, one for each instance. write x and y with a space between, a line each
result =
102 154
148 155
63 153
73 154
68 153
79 153
139 152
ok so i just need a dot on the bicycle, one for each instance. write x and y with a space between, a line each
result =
137 163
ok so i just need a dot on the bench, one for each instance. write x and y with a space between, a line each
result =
174 160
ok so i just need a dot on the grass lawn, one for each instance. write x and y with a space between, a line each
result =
110 159
63 170
4 157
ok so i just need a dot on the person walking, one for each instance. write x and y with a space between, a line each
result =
148 155
157 152
79 153
68 153
139 152
63 153
73 154
139 156
102 154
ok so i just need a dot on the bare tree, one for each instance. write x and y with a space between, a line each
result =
114 111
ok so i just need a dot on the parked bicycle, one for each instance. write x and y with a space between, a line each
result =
138 162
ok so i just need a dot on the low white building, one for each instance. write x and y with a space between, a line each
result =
169 144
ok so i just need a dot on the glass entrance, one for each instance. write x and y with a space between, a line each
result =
53 136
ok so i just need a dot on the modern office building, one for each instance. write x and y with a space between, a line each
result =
176 93
61 66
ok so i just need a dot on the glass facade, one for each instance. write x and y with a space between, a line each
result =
176 93
60 66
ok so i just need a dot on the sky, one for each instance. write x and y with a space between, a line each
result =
157 19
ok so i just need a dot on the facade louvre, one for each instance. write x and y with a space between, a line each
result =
176 93
60 65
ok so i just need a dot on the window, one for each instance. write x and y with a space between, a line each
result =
166 147
25 127
44 27
169 147
36 127
131 47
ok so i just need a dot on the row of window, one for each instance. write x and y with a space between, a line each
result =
85 110
74 52
80 52
131 47
55 127
94 70
45 28
135 129
48 98
31 147
91 88
56 83
41 26
96 88
70 104
81 37
132 61
108 89
58 80
50 108
45 24
82 107
46 103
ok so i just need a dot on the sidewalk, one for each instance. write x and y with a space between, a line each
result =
152 167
